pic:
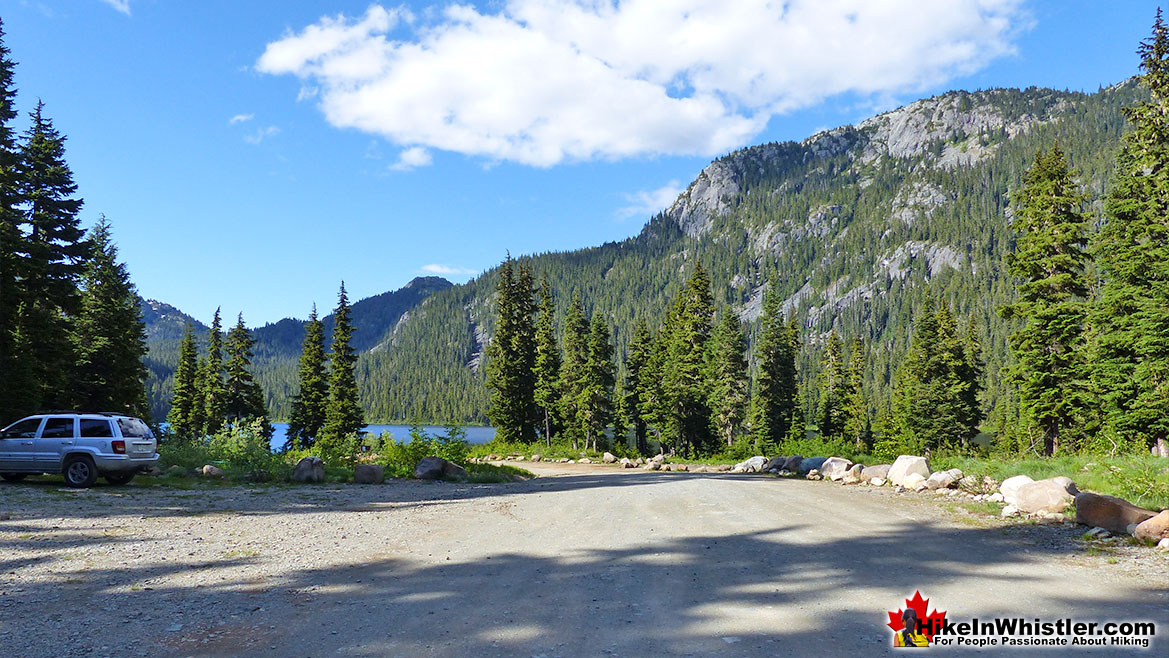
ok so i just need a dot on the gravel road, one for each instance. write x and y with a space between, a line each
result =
583 561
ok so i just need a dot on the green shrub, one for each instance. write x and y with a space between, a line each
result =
399 459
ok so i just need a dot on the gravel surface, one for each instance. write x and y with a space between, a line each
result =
583 561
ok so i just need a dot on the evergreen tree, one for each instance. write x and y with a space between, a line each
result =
243 400
857 427
343 414
574 371
728 377
834 392
212 389
774 397
182 406
547 364
1129 319
797 431
595 408
52 261
308 406
637 384
511 357
110 335
13 386
688 330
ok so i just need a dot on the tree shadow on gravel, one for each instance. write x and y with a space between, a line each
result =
754 594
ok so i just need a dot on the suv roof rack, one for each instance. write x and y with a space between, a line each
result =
79 413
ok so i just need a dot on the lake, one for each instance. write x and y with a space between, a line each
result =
475 434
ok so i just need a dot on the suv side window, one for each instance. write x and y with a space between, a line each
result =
96 427
58 428
25 429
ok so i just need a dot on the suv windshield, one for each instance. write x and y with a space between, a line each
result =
132 428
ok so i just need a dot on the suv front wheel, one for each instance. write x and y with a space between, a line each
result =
79 471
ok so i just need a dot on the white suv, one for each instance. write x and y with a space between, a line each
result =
79 446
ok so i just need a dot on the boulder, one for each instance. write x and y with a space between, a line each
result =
1154 529
681 467
659 458
752 465
907 465
1108 512
913 481
175 471
1010 510
433 468
849 479
774 465
369 474
855 471
814 474
652 466
609 458
868 473
877 482
809 464
1010 488
629 464
213 471
1050 495
1163 544
722 468
585 460
943 479
835 468
309 469
792 464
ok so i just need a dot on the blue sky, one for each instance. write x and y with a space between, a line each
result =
251 155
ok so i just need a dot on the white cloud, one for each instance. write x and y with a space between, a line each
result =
240 118
262 134
120 5
447 270
647 203
546 81
411 158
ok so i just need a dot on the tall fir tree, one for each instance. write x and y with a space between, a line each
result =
595 408
343 414
307 417
834 391
51 263
574 370
183 397
728 378
511 356
243 398
17 378
688 328
109 332
547 364
774 393
212 388
857 427
636 384
1129 319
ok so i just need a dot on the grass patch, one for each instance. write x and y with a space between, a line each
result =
1141 480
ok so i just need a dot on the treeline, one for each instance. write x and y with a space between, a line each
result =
211 393
71 332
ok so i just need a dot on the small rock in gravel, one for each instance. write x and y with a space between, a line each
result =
1010 510
1163 544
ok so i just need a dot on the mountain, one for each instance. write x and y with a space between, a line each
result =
278 344
855 226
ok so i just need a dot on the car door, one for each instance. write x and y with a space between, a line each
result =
57 434
17 446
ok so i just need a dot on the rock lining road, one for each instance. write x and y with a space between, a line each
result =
583 561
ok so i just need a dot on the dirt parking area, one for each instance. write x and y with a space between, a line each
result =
582 561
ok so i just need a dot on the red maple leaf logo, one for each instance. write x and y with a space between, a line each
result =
930 623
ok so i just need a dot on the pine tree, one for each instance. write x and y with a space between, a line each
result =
182 403
857 427
637 383
212 389
547 364
834 393
774 397
511 357
243 399
52 263
1129 319
13 385
110 334
797 431
596 394
728 378
574 371
343 414
688 330
308 406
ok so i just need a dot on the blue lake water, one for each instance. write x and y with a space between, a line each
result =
475 434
